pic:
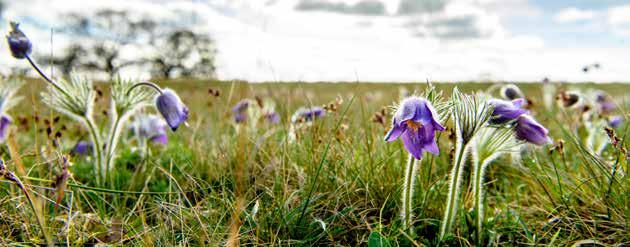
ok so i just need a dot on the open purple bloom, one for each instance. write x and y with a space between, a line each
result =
83 148
527 129
615 121
240 111
505 111
19 44
308 114
172 109
415 122
5 121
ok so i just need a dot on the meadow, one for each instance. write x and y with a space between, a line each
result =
332 182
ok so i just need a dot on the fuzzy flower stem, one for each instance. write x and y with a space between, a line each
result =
450 212
41 73
407 200
111 144
145 83
97 148
478 174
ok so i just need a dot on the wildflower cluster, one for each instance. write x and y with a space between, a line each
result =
75 98
484 127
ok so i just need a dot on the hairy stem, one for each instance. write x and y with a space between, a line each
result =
407 199
450 212
478 174
110 149
96 139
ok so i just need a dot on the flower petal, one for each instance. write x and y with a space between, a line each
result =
394 133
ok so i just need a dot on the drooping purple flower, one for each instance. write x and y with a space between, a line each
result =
308 114
512 92
19 44
527 129
5 121
240 111
172 109
82 148
506 111
615 121
415 122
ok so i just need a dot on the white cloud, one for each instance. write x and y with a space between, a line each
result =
261 42
619 20
573 14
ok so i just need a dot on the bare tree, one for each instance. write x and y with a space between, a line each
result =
184 53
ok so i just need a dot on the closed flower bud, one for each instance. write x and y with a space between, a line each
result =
19 44
511 92
172 109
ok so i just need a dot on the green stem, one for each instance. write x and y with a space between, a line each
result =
97 149
478 175
111 144
41 73
455 182
407 199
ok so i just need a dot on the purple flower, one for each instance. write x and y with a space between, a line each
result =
308 114
505 111
605 104
152 128
511 92
172 109
5 121
19 44
240 111
527 129
272 117
415 123
615 121
82 148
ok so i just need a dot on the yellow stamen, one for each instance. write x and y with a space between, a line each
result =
415 126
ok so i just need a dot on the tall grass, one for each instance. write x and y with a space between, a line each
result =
337 184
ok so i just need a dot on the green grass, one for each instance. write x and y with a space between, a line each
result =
338 184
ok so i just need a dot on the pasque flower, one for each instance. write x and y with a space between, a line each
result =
240 111
415 122
615 121
82 148
19 44
604 102
506 111
308 114
511 92
5 121
151 128
527 129
172 109
272 117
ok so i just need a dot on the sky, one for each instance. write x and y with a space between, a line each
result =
378 40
